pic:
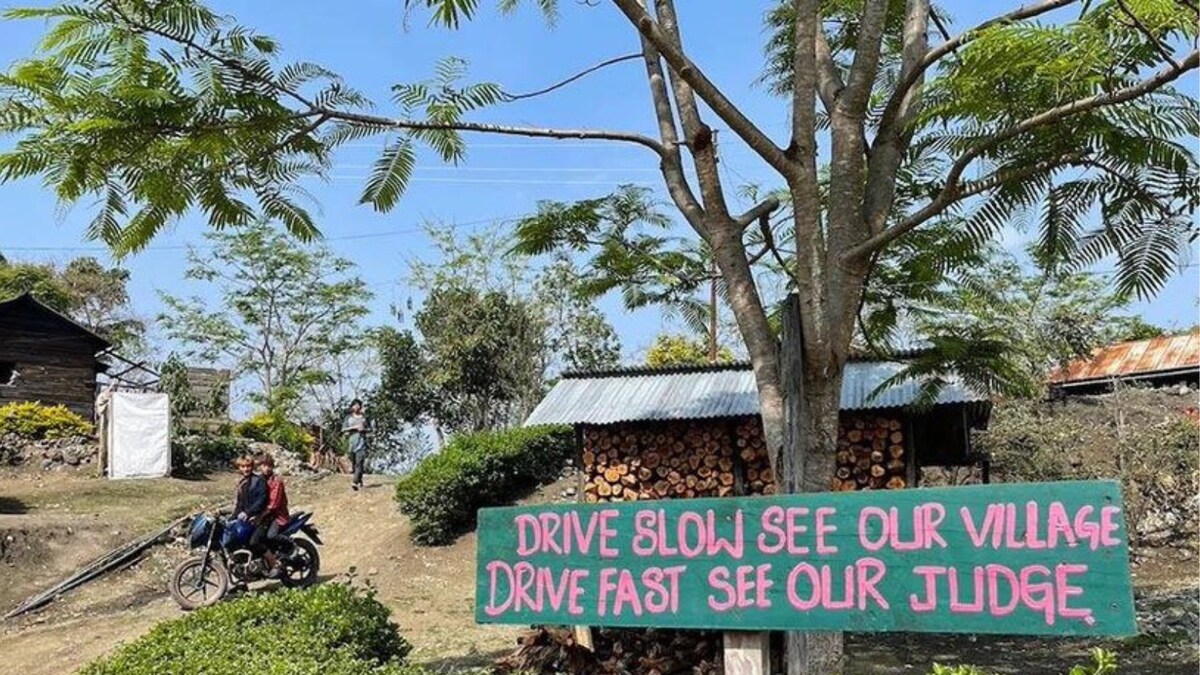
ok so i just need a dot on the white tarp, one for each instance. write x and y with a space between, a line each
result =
139 435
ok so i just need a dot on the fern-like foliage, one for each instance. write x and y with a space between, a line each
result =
155 108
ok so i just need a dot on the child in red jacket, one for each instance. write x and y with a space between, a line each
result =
275 517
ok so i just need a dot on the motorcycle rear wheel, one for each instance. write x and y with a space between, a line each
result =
195 585
307 575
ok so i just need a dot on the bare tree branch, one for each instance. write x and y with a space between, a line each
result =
672 163
952 191
701 139
892 140
764 208
764 224
829 80
499 129
865 66
509 98
720 104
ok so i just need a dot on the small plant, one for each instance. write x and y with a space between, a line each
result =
274 428
34 421
331 629
474 471
1103 663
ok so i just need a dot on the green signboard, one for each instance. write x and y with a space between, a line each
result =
1033 558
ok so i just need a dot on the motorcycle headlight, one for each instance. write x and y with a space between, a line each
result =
201 525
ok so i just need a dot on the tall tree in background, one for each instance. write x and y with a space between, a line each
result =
85 290
159 106
281 311
578 336
101 301
492 330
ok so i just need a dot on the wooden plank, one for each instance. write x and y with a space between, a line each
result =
1025 558
746 653
583 634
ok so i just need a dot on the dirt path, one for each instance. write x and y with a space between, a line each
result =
430 590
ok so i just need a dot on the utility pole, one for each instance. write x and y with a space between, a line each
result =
712 312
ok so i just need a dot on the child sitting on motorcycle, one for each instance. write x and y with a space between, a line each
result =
274 517
251 496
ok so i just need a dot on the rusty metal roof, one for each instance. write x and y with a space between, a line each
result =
641 394
1129 360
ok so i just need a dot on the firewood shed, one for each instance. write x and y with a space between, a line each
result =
684 432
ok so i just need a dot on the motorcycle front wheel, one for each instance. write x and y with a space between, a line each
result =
301 570
195 584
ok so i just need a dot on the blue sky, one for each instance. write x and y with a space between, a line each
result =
367 42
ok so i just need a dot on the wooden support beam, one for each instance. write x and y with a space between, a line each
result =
747 653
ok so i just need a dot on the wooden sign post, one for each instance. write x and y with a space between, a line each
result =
1034 559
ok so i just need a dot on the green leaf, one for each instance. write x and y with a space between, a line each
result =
390 176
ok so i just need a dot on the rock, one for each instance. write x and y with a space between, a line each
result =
71 456
53 454
372 572
570 492
47 463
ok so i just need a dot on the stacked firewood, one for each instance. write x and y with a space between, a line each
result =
617 652
759 479
662 461
870 454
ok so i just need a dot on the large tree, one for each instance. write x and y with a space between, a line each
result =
280 311
161 106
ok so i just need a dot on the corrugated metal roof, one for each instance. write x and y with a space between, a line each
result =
1130 359
705 392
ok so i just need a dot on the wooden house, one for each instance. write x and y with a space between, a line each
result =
47 357
647 433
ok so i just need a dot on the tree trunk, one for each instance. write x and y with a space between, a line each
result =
812 398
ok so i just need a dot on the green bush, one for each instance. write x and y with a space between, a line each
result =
34 421
273 428
196 453
474 471
331 629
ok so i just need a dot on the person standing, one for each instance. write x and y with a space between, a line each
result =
357 427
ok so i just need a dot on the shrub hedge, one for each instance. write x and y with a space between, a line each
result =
196 453
474 471
332 629
34 421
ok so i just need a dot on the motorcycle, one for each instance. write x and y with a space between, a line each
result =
227 561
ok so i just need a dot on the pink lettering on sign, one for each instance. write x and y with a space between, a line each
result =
557 533
608 533
929 603
823 529
1065 591
749 589
776 537
925 521
694 535
957 605
655 591
1009 527
856 586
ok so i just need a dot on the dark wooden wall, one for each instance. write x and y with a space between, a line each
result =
56 363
